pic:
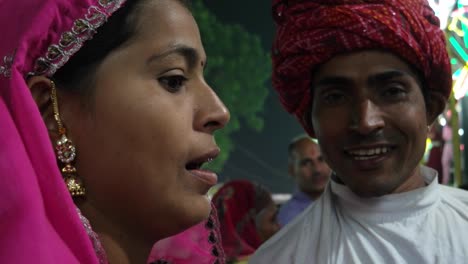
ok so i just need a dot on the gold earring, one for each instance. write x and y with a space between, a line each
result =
66 151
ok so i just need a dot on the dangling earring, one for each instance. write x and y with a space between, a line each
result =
66 152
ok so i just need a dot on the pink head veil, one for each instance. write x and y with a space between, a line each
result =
38 220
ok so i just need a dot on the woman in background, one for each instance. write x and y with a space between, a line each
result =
247 216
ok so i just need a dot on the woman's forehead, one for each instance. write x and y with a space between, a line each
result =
166 23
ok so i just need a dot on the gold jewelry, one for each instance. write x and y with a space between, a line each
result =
66 151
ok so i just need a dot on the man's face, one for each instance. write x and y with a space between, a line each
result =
309 168
370 118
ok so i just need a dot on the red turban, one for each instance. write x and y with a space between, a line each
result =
309 33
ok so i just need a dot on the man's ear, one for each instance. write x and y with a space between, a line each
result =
40 88
435 105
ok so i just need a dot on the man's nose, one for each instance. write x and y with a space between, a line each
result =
366 117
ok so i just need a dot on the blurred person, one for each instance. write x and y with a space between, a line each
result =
434 159
247 216
116 88
310 172
447 152
367 79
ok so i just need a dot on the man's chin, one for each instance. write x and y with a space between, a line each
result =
317 189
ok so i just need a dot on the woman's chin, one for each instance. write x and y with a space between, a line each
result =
198 212
193 214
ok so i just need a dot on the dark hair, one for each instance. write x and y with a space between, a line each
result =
262 197
77 75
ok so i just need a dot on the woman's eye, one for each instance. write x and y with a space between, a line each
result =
173 83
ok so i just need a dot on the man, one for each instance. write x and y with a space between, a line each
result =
309 170
368 78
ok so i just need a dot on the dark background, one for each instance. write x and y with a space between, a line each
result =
261 157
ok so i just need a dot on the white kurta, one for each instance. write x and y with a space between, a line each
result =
426 225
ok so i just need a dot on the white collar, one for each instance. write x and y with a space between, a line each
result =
389 207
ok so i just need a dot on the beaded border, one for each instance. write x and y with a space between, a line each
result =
214 239
71 41
5 67
97 246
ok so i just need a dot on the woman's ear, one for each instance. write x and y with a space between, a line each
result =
40 88
435 105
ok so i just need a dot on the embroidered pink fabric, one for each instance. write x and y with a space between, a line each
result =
38 220
200 244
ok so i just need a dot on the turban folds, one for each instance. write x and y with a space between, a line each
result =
309 33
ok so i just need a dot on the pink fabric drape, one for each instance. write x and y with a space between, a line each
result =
200 244
38 220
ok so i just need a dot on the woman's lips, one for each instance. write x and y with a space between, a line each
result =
206 176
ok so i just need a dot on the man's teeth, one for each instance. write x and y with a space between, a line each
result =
363 154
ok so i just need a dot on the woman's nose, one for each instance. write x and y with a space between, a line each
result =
213 114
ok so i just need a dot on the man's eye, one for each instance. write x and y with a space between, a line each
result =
173 83
394 91
334 98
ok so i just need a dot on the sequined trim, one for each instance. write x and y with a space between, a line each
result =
6 64
71 41
98 248
214 238
161 261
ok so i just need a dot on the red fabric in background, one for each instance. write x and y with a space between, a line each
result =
435 161
309 33
236 202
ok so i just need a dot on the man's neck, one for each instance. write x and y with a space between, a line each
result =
415 181
313 195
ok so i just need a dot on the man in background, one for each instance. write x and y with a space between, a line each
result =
310 172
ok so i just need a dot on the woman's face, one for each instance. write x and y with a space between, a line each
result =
151 126
266 221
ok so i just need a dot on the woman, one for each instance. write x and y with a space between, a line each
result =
125 106
247 216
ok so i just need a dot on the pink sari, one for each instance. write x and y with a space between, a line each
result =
38 220
200 244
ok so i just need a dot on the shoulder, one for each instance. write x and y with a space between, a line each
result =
286 206
285 245
454 200
288 211
456 194
281 247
